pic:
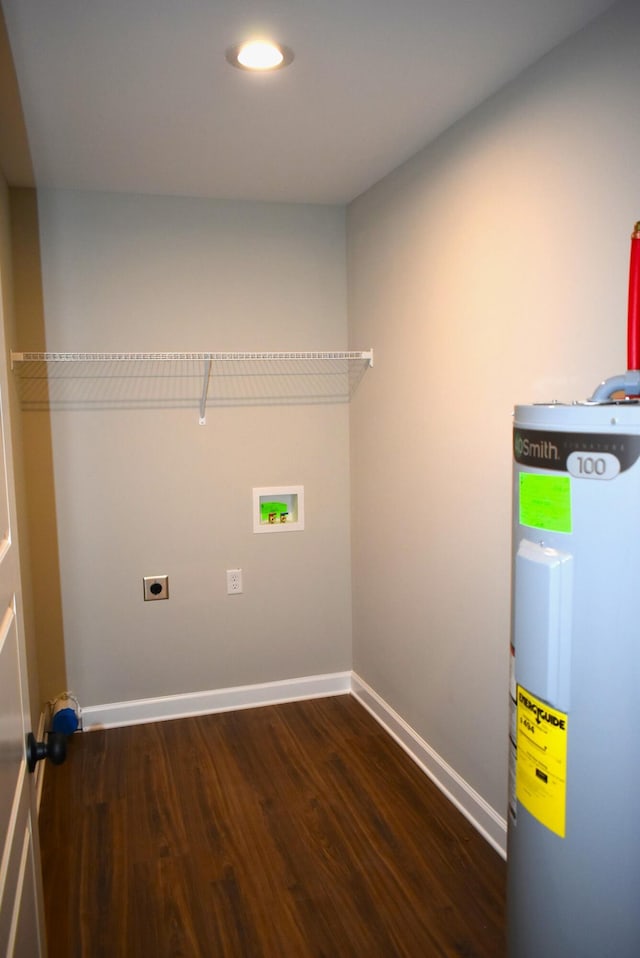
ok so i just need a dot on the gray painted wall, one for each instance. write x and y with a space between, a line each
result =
146 492
490 269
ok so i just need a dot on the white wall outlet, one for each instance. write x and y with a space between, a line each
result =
155 587
234 581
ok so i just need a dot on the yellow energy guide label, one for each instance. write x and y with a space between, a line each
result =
541 766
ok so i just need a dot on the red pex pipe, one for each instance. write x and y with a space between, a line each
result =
633 322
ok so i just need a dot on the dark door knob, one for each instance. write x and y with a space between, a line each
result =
55 749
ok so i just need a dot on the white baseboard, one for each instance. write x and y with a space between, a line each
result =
483 817
216 700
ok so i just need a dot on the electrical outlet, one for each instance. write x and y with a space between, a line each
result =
155 587
234 581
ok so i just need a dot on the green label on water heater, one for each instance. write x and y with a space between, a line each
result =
545 502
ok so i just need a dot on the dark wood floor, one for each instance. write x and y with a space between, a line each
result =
289 831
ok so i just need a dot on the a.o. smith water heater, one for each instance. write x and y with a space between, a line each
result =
574 803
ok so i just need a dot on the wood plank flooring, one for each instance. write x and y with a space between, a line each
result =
291 831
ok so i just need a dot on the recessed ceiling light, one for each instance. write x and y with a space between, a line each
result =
259 56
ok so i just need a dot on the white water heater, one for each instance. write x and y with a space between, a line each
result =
574 809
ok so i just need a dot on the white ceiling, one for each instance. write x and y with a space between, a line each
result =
136 95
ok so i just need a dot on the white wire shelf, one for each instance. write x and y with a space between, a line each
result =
49 380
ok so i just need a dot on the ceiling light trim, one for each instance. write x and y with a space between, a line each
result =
234 52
